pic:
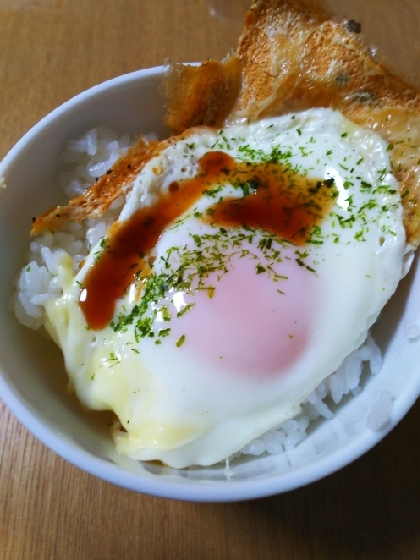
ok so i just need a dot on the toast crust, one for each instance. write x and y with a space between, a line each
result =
206 96
97 198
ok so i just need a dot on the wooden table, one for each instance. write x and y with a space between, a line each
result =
51 50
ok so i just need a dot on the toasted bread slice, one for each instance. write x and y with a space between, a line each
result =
294 57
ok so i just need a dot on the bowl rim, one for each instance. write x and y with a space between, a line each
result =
72 102
224 491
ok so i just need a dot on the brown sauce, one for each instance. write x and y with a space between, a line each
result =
277 200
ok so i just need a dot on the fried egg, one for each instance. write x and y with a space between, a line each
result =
246 264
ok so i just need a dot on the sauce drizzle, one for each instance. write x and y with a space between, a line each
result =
275 198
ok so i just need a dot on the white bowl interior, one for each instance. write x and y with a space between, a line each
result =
33 381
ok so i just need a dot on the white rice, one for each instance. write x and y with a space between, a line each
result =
83 161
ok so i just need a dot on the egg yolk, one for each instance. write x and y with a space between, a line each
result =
251 326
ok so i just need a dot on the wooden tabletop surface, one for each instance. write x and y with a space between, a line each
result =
51 50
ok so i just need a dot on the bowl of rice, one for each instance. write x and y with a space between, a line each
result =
347 414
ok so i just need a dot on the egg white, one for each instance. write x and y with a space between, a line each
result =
176 405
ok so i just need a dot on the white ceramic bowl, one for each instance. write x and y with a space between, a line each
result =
32 377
